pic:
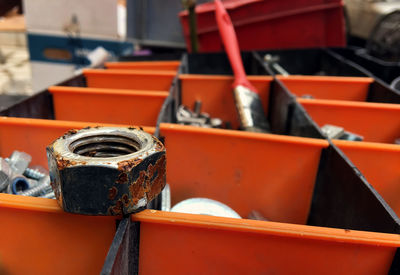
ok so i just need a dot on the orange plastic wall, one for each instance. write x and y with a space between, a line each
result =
380 164
107 105
33 135
329 87
173 243
376 122
129 79
37 237
144 65
272 174
216 94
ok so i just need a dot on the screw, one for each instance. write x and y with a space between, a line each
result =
18 184
5 172
197 107
41 189
34 173
19 161
49 195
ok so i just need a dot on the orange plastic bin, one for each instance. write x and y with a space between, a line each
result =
272 174
129 79
376 122
215 93
144 65
380 164
107 105
36 236
328 87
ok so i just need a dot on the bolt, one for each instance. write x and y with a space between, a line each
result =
5 172
49 195
166 198
34 174
18 184
42 188
19 161
197 107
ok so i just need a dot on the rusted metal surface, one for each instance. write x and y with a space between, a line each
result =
106 171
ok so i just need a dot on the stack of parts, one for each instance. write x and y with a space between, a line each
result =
322 185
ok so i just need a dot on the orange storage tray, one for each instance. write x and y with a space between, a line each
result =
33 135
328 87
37 237
145 65
175 243
380 164
107 105
216 94
272 174
376 122
129 79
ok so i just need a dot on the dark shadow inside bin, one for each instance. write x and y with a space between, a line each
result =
386 71
312 62
218 64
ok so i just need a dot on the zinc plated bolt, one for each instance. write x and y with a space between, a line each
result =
41 189
19 161
18 183
5 172
34 174
49 195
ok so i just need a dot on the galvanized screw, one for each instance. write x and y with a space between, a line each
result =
5 172
19 161
34 174
41 189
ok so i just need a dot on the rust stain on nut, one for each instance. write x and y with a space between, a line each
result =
112 193
130 177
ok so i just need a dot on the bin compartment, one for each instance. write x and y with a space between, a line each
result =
216 94
379 163
313 62
145 65
37 237
322 87
237 169
129 79
219 64
184 243
33 135
107 105
376 122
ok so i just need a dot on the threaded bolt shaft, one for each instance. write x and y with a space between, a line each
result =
34 174
49 195
36 191
43 188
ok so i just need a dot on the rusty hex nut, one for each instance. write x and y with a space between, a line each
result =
106 170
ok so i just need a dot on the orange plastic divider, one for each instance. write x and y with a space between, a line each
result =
182 243
380 164
129 79
272 174
145 65
107 105
376 122
37 237
329 87
215 92
33 135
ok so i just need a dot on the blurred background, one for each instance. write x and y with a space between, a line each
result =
44 42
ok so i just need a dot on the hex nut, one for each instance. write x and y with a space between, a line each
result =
106 170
